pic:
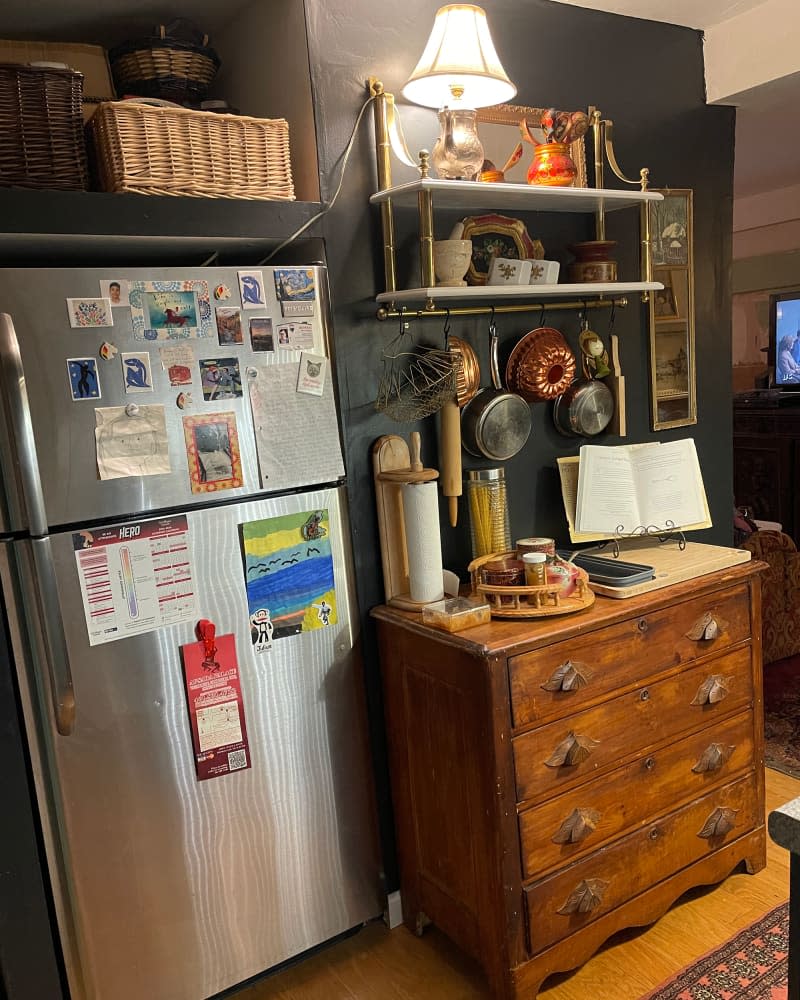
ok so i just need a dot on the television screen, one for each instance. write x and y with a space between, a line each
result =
785 338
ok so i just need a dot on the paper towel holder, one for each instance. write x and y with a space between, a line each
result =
394 465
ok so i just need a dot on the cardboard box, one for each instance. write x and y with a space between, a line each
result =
91 60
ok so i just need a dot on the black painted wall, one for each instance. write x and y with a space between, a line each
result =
647 77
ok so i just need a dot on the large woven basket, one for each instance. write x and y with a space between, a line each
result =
41 124
200 154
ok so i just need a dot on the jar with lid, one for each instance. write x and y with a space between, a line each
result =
488 511
535 570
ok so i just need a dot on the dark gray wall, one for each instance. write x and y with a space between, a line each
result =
646 76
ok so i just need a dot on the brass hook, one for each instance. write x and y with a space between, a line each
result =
446 330
542 310
613 316
492 326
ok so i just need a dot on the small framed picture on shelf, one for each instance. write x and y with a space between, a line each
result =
665 304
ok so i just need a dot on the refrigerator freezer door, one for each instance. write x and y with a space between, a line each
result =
63 420
179 888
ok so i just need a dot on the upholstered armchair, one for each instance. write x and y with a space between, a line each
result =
780 587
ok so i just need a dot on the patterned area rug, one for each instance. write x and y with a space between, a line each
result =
751 966
782 715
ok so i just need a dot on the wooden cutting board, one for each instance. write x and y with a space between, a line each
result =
671 563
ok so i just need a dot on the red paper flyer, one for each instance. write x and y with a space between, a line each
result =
216 710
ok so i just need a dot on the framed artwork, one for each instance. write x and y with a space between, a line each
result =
498 128
673 391
170 310
212 449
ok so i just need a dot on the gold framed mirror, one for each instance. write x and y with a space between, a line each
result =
673 390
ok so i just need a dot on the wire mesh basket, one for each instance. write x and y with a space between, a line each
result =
416 381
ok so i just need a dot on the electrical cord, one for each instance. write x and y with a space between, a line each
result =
327 207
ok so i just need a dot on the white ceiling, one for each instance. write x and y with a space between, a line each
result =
690 13
767 118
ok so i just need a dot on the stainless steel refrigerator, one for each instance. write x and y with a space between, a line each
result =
167 886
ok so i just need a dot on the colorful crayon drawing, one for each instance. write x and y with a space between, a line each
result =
289 575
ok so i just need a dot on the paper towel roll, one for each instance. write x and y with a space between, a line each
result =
423 542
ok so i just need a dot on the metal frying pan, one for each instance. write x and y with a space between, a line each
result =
495 424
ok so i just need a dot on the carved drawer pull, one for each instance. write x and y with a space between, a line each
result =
568 676
585 897
720 822
713 757
577 826
712 690
707 627
571 751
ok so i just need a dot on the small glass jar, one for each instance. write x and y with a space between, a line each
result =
488 512
535 568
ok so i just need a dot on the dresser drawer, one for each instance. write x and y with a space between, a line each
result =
598 811
569 900
563 754
612 658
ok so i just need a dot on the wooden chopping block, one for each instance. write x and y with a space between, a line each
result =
616 383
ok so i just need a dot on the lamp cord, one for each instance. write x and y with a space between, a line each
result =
327 207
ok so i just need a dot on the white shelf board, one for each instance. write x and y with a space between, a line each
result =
522 197
510 292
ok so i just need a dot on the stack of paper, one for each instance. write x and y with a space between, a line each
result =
625 489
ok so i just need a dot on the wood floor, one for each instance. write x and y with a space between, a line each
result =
377 964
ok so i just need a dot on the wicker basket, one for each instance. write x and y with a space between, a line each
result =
175 151
164 66
41 125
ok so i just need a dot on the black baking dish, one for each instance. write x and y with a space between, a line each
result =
611 572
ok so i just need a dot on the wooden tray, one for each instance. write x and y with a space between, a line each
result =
529 602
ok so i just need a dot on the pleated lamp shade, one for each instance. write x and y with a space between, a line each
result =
459 63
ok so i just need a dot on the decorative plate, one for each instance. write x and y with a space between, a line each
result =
497 236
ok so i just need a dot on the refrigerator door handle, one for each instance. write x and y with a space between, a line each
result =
24 497
51 629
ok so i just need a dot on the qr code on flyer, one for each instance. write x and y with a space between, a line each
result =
237 759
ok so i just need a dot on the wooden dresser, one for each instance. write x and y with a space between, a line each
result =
557 780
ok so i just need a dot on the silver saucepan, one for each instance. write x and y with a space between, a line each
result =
495 423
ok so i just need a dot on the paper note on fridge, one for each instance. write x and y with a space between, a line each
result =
625 489
297 435
131 441
135 577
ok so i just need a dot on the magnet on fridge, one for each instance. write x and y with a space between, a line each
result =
184 399
251 286
137 371
261 629
83 380
206 632
108 351
221 293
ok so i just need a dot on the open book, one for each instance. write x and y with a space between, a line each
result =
619 489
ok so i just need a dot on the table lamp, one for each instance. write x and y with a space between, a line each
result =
458 72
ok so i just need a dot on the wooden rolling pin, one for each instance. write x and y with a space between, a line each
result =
451 456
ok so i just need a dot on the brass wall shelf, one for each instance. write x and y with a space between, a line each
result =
521 197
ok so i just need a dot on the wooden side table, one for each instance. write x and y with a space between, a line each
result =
784 828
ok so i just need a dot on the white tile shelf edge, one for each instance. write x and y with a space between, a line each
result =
523 197
531 292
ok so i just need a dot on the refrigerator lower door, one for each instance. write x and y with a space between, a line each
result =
178 889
